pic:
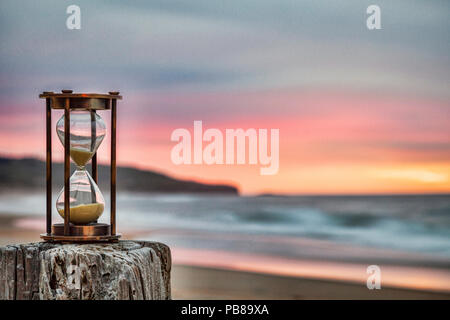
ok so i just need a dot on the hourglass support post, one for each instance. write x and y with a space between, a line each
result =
67 167
94 158
49 164
113 165
94 168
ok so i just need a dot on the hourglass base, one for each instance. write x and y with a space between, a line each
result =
93 232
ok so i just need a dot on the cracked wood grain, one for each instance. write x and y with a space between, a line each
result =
137 270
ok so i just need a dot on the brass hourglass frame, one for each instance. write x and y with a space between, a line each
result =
67 100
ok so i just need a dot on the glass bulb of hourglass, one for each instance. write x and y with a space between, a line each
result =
86 200
87 131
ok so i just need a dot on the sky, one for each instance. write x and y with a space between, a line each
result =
359 111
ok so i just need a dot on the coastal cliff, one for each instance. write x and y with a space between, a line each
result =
29 174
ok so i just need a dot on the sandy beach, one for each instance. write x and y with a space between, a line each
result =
200 282
190 282
10 233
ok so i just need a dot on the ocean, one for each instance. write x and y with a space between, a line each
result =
408 223
286 234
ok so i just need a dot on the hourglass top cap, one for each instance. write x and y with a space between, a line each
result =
81 101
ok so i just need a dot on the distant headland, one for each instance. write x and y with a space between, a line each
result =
29 174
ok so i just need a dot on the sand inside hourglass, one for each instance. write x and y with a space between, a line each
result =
84 213
80 157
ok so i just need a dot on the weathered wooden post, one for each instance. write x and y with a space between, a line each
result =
136 270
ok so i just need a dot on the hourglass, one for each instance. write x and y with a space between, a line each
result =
80 203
